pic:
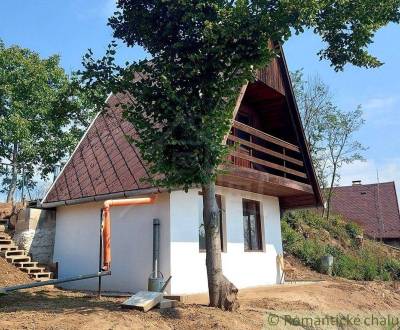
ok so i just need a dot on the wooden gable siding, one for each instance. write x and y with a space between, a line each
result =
272 76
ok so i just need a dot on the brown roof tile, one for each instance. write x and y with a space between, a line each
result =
374 207
104 162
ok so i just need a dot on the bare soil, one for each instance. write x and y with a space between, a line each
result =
57 309
9 275
51 308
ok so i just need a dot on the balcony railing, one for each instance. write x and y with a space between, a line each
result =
263 152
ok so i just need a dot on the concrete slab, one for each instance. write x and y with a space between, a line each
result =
143 300
167 303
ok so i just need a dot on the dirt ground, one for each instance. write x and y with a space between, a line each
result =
51 308
57 309
9 275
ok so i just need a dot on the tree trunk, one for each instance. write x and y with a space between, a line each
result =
14 172
328 200
222 292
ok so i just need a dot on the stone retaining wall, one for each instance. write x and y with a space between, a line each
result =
35 233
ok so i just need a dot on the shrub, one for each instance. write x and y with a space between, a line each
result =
347 266
369 270
392 266
290 237
310 252
353 229
334 251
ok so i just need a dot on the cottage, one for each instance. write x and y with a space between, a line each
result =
271 171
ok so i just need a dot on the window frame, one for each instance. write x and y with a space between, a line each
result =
222 232
260 225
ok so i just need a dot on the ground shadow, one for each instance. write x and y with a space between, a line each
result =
65 302
56 302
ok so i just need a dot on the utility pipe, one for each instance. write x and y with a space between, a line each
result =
52 282
107 223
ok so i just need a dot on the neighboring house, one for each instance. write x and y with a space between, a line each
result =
269 172
373 206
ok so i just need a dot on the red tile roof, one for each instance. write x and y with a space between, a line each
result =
374 207
105 147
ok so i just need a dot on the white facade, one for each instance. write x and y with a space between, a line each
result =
78 237
77 243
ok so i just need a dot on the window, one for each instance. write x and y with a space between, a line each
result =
202 236
252 226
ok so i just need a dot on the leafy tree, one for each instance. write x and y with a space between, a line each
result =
329 131
41 116
181 102
341 147
315 103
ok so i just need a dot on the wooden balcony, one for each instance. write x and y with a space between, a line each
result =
266 153
264 164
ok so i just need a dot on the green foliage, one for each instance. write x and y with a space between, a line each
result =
302 237
392 266
353 229
328 129
41 114
202 52
310 252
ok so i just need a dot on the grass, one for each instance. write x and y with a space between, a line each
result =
309 236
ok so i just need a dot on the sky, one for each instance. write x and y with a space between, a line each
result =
69 28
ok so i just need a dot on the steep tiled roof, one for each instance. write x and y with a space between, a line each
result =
374 207
104 161
106 165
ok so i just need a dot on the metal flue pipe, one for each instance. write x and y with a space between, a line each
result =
156 246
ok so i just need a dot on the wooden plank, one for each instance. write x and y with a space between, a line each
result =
264 177
271 75
265 150
267 183
236 109
269 164
300 201
265 136
143 300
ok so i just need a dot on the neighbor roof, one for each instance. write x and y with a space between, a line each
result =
373 206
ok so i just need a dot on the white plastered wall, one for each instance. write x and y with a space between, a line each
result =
244 269
77 244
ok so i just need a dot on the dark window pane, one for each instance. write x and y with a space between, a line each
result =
252 225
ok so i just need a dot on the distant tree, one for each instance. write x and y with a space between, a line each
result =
42 114
329 131
315 103
202 52
341 147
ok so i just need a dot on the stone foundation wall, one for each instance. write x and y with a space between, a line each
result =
35 233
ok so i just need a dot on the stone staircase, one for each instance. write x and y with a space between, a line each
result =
18 257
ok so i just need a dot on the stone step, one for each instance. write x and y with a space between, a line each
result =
5 241
4 236
11 253
9 247
44 279
32 270
42 275
14 259
26 264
